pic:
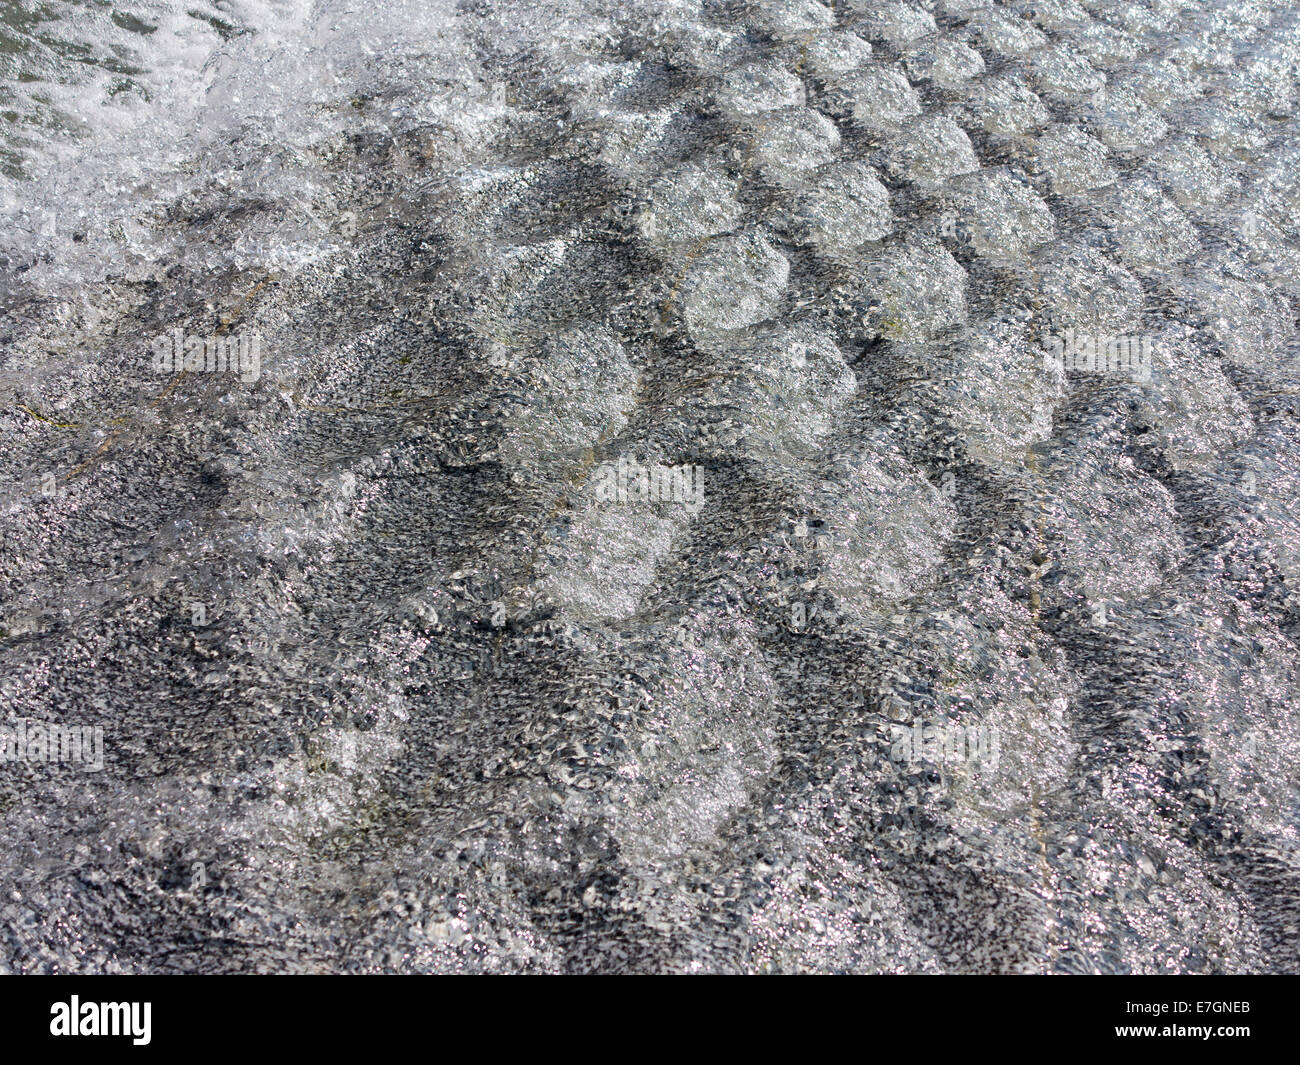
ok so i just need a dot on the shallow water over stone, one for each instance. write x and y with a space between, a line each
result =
656 534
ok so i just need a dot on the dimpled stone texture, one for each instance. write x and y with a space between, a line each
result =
450 706
879 98
736 281
687 205
794 141
845 206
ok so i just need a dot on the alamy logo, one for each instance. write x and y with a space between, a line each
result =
14 493
38 742
102 1018
944 744
174 352
1099 354
627 480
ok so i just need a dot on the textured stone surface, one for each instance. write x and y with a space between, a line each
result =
450 705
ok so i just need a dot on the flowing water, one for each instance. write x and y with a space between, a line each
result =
666 485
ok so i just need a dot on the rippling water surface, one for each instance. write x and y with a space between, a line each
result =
653 486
